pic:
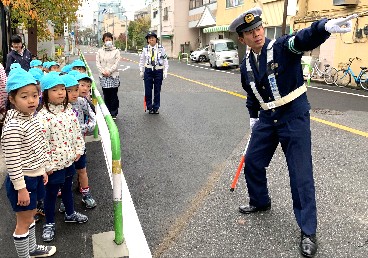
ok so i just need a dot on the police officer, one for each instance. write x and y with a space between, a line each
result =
271 74
153 66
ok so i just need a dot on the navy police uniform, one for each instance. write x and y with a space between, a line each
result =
153 61
277 96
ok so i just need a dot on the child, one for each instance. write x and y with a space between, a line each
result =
26 160
65 145
53 66
35 63
79 66
87 122
45 67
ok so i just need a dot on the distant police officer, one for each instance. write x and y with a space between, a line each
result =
153 66
271 74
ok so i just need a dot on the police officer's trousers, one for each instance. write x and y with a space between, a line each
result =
153 80
295 139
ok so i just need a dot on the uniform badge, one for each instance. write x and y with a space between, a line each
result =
248 18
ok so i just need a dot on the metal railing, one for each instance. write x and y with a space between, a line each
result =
183 56
111 147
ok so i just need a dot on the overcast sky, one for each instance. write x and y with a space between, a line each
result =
91 5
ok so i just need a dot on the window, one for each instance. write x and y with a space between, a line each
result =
225 46
155 14
166 14
275 32
233 3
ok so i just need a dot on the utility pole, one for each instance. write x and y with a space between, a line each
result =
283 29
160 17
66 40
126 33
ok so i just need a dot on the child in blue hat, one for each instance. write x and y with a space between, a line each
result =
87 122
35 63
79 65
26 159
65 146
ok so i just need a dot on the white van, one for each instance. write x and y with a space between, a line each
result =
223 52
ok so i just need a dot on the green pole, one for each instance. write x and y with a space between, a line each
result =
116 160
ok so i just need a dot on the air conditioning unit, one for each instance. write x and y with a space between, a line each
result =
345 2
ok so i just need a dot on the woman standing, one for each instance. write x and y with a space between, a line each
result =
18 54
107 61
153 66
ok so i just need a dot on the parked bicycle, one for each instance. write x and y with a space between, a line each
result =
344 75
328 74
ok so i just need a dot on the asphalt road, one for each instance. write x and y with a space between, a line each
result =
179 166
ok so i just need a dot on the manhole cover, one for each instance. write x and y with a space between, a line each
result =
326 111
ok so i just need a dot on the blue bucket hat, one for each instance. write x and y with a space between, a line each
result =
52 63
74 73
36 73
18 78
50 80
34 63
78 62
80 76
44 65
69 80
14 66
67 68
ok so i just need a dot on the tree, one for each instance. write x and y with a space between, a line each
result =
137 31
30 13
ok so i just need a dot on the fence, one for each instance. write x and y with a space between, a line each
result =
108 131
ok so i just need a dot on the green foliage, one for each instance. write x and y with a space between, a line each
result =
28 12
137 31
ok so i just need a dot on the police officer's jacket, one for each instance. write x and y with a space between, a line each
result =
287 69
159 59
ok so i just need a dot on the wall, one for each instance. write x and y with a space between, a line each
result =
339 47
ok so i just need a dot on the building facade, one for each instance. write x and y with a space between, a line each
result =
339 47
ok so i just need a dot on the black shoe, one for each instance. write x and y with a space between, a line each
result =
151 111
308 245
252 209
155 111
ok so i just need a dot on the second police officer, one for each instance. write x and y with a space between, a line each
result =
153 66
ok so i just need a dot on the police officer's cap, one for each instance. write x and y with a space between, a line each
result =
247 21
150 34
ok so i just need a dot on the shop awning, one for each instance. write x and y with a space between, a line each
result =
216 29
167 36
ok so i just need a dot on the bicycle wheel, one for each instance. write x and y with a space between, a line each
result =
363 80
343 78
330 76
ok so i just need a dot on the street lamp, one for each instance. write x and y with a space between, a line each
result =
126 31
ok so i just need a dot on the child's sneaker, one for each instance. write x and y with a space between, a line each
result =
62 207
43 251
48 233
89 201
76 217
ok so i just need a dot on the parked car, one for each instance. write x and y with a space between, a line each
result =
223 52
200 55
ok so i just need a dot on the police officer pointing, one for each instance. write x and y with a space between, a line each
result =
153 66
277 103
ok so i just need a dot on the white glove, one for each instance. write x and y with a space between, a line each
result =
340 25
141 74
165 75
252 122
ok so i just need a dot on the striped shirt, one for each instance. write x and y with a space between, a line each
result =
24 147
